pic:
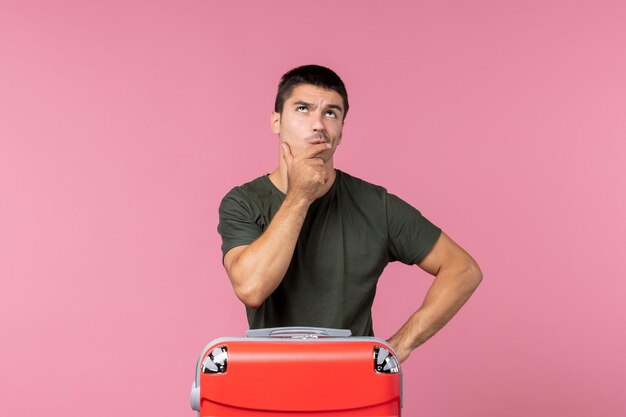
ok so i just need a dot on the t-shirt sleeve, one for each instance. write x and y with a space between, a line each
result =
411 235
238 221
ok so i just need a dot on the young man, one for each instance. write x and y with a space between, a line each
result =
306 244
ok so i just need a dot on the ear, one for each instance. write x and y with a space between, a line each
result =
275 122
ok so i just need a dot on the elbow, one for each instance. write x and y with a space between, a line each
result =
467 275
250 295
246 285
473 275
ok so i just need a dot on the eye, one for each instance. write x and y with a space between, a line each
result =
301 109
331 113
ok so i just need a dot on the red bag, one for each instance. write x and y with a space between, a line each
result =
297 371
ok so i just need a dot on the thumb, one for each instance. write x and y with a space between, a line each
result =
287 155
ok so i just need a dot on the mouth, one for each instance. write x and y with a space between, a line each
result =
317 139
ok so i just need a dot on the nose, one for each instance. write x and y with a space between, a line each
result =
318 125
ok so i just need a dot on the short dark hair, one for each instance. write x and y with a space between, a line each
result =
310 74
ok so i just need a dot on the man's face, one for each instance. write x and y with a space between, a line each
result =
310 115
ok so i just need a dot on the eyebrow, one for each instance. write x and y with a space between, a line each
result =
307 104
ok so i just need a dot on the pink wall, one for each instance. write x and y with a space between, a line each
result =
123 123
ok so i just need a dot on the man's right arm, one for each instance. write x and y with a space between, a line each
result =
256 270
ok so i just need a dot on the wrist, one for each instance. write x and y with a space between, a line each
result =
400 348
297 200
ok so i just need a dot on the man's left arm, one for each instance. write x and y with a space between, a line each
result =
456 277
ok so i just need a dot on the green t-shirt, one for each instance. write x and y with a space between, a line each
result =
348 237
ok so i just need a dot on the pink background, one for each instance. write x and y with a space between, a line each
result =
122 124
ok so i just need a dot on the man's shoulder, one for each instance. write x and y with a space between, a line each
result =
251 189
257 195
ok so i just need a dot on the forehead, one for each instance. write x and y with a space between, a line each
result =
314 94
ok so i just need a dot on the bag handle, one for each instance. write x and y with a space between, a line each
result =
296 332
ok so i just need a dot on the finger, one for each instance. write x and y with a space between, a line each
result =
314 150
287 155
